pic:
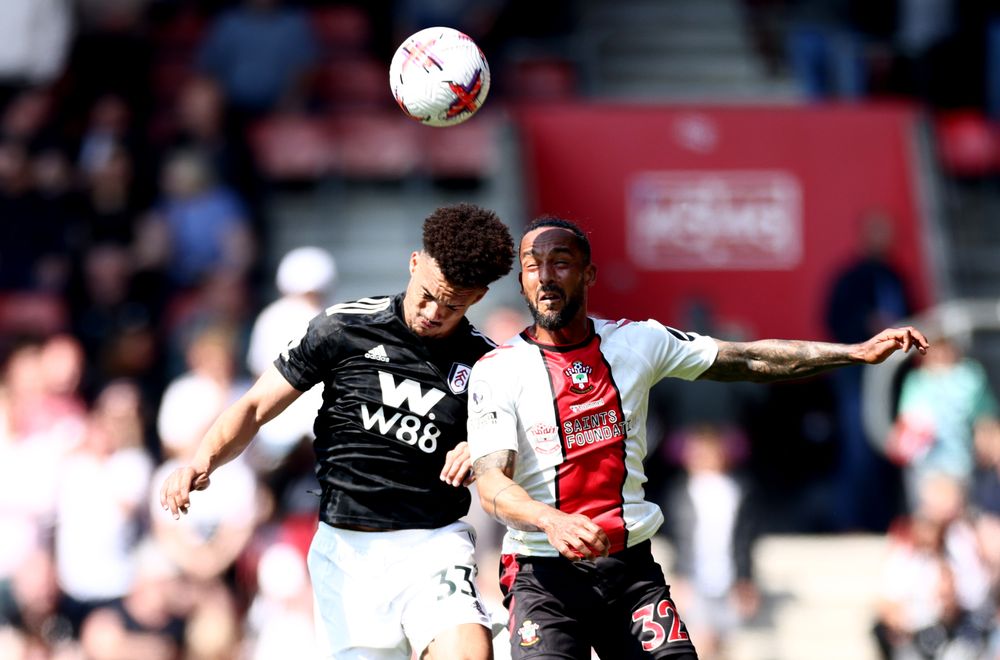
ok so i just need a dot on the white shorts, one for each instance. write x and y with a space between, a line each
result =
381 595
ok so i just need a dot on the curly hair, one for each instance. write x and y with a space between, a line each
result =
471 245
582 242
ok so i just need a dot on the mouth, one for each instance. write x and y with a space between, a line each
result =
549 297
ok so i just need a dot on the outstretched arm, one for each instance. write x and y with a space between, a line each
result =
228 436
777 359
575 536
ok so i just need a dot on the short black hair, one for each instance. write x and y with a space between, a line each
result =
582 241
471 245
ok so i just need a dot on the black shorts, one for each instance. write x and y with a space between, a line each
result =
619 605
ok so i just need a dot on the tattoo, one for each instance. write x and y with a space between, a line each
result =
775 359
496 495
502 460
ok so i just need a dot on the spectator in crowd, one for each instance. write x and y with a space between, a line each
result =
103 487
712 527
201 121
193 399
199 228
110 56
207 542
31 623
261 53
32 251
143 624
935 583
34 42
865 294
305 279
41 421
944 403
280 617
984 498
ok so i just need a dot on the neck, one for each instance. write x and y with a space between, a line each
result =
572 333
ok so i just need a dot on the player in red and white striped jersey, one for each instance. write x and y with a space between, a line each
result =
557 435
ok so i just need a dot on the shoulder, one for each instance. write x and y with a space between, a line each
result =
363 311
628 330
475 339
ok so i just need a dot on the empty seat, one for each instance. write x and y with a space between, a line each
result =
293 147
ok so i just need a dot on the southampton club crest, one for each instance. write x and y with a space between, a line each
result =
579 378
528 632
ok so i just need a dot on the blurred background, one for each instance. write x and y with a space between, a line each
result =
183 184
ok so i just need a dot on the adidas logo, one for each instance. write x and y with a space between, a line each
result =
378 353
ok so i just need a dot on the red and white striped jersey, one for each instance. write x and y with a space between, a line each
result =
576 416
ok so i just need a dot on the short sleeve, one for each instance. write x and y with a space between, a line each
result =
308 357
674 353
492 424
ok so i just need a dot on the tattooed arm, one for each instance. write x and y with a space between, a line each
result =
575 536
777 359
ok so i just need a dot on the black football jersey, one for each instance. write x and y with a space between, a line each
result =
393 405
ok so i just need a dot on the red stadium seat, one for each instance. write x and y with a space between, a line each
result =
32 313
467 151
542 79
341 29
354 82
293 147
967 143
377 145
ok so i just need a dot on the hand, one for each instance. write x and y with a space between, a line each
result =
576 536
457 469
175 495
747 599
877 349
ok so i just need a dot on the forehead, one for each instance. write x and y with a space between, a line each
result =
427 276
549 239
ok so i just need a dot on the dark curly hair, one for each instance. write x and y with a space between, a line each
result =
471 245
582 242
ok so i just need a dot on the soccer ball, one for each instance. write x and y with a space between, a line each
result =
439 76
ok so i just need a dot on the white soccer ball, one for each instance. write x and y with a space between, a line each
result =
439 76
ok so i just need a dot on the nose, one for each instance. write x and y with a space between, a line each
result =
435 311
546 273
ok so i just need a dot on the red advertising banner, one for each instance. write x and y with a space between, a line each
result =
750 210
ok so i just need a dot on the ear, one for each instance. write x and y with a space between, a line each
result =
590 274
414 260
479 296
520 284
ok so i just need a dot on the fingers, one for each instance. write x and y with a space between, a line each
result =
457 469
909 337
175 495
581 539
920 340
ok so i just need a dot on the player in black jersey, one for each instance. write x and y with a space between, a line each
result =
391 564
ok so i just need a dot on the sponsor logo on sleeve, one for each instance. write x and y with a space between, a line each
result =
479 396
482 420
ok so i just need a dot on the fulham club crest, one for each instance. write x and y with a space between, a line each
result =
458 379
579 378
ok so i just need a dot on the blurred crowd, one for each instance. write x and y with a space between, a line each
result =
134 305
